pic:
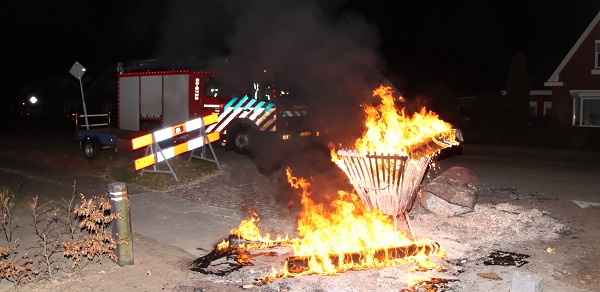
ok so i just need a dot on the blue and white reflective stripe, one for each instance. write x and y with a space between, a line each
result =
236 111
286 114
259 106
258 109
230 102
247 109
226 110
260 112
237 105
269 106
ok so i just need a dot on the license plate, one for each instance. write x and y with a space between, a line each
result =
305 134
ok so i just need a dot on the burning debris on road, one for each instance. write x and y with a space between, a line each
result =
353 233
333 239
360 232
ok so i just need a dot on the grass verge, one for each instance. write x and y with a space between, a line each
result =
66 155
185 171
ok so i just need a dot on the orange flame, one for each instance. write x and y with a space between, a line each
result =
248 230
392 131
344 227
347 228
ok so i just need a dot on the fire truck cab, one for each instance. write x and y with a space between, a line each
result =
252 106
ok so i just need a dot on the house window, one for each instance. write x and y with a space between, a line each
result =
586 111
596 69
597 56
533 108
547 108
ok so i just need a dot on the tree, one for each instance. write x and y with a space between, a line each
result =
517 97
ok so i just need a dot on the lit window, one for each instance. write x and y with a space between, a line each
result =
586 111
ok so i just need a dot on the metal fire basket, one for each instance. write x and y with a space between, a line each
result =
389 182
383 181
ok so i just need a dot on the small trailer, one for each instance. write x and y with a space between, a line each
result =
98 134
95 135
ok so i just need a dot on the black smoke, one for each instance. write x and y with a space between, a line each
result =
326 50
328 53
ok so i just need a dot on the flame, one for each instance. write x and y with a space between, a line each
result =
347 228
248 230
345 235
391 130
342 228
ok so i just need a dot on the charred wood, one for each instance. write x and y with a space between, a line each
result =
299 264
237 242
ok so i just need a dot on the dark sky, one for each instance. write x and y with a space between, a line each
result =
465 45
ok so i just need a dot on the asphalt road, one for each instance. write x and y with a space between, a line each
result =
196 216
240 187
551 174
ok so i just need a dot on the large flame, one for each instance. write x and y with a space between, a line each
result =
346 228
345 235
390 130
332 232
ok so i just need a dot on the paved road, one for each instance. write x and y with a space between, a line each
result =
197 215
194 216
563 177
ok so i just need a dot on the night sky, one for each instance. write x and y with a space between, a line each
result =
464 45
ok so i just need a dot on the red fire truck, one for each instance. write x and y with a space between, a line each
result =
252 106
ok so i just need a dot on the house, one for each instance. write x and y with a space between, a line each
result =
575 84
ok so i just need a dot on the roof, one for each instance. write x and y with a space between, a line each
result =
554 78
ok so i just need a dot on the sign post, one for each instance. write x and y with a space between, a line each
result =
77 70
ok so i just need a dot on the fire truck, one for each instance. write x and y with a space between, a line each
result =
252 106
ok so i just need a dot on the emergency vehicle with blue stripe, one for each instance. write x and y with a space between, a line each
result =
251 105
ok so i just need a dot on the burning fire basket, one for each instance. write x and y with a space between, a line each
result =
385 182
389 182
